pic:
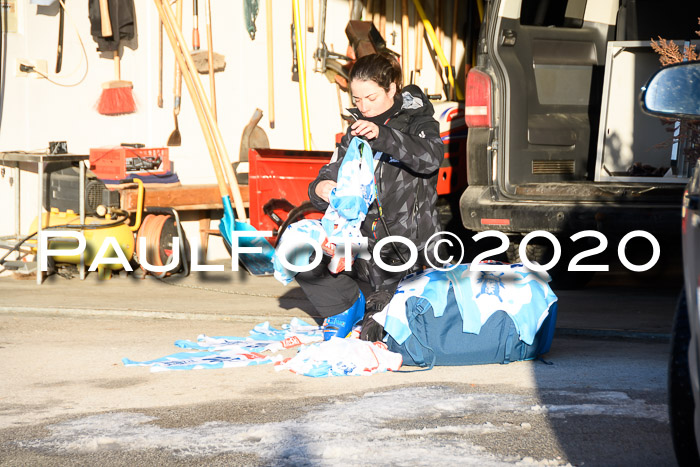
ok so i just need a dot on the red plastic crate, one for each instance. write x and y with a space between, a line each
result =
119 162
282 174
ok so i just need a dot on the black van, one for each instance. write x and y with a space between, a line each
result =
557 141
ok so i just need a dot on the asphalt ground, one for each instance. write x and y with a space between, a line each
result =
66 398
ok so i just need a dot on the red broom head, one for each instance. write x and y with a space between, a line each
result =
116 100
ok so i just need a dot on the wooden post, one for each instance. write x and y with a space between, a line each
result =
419 32
404 40
453 46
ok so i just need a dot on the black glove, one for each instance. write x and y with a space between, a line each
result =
371 330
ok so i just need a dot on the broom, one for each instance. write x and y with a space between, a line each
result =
116 97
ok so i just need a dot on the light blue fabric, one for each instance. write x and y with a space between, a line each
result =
349 202
355 192
295 242
396 322
336 357
259 340
230 352
264 331
245 345
342 357
321 370
523 294
200 361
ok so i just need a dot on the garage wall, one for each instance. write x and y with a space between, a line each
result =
35 111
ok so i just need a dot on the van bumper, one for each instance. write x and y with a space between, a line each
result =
481 210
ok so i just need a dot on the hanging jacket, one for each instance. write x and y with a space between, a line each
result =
410 152
121 15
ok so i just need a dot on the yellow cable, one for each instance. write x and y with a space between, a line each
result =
480 6
301 67
438 49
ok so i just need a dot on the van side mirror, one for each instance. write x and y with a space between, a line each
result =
673 92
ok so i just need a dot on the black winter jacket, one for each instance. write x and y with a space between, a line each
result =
406 176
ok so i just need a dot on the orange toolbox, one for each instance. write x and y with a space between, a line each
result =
120 162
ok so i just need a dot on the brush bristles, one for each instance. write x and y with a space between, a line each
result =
116 101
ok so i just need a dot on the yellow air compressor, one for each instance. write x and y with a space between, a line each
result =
94 235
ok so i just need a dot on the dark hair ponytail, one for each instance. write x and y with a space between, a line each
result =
382 68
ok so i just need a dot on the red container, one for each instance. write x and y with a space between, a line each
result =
286 174
452 176
280 174
119 162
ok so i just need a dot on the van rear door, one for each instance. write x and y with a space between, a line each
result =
550 56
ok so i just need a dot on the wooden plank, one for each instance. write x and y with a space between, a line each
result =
182 198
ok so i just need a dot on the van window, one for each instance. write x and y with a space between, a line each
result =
557 13
643 20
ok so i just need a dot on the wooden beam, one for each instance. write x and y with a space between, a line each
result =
182 198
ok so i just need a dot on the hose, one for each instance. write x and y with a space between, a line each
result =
152 229
185 250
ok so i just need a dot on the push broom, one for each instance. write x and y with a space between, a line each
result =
117 95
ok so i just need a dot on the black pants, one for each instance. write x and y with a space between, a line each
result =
332 294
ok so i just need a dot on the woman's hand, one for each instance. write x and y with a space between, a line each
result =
364 128
324 188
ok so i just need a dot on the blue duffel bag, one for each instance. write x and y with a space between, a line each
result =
441 341
470 317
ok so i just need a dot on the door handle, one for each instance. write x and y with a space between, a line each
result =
508 38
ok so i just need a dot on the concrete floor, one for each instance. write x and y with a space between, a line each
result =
639 304
602 402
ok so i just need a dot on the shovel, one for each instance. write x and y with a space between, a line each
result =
175 139
253 137
256 263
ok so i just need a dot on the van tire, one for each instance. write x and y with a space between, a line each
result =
681 404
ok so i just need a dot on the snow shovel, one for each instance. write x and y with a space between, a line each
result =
256 263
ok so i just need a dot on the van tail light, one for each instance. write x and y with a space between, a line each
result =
477 105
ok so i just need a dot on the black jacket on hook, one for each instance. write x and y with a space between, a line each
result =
122 19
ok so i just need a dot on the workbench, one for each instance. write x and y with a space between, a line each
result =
34 162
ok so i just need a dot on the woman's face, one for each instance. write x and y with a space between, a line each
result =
371 100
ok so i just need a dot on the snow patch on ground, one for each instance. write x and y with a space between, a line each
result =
339 433
611 403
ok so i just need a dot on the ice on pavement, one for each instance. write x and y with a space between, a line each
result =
340 433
